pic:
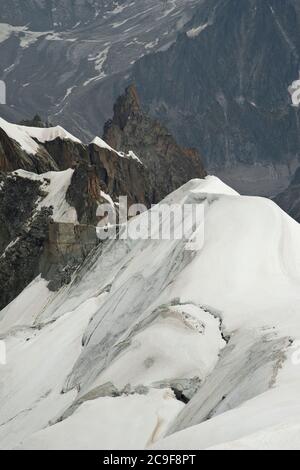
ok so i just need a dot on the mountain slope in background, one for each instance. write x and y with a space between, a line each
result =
41 15
85 48
224 87
218 73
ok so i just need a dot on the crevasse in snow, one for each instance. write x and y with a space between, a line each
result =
150 316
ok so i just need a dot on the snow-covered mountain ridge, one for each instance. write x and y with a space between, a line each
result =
145 321
137 157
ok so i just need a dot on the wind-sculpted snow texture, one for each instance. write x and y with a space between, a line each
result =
156 345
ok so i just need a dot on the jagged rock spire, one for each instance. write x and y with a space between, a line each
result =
126 105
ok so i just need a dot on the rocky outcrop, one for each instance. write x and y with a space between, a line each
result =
31 244
18 197
289 200
66 153
66 248
132 131
58 151
84 193
121 176
13 157
36 121
141 161
23 232
19 264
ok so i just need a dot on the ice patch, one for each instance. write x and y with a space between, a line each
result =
194 32
294 91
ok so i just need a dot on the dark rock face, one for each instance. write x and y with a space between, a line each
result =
20 263
66 153
53 155
122 176
84 193
169 165
23 233
12 157
66 248
32 244
18 197
42 15
289 200
223 87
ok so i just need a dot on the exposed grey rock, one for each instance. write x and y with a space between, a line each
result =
122 176
19 265
18 197
184 389
161 165
32 244
223 88
36 121
73 69
84 193
66 153
289 200
13 157
67 240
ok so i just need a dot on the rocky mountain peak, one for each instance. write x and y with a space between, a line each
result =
136 133
127 105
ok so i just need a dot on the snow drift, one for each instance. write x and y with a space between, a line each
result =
200 343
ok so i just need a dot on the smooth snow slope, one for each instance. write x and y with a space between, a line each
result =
153 313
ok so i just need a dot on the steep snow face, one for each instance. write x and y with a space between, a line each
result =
184 341
55 185
216 325
25 135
